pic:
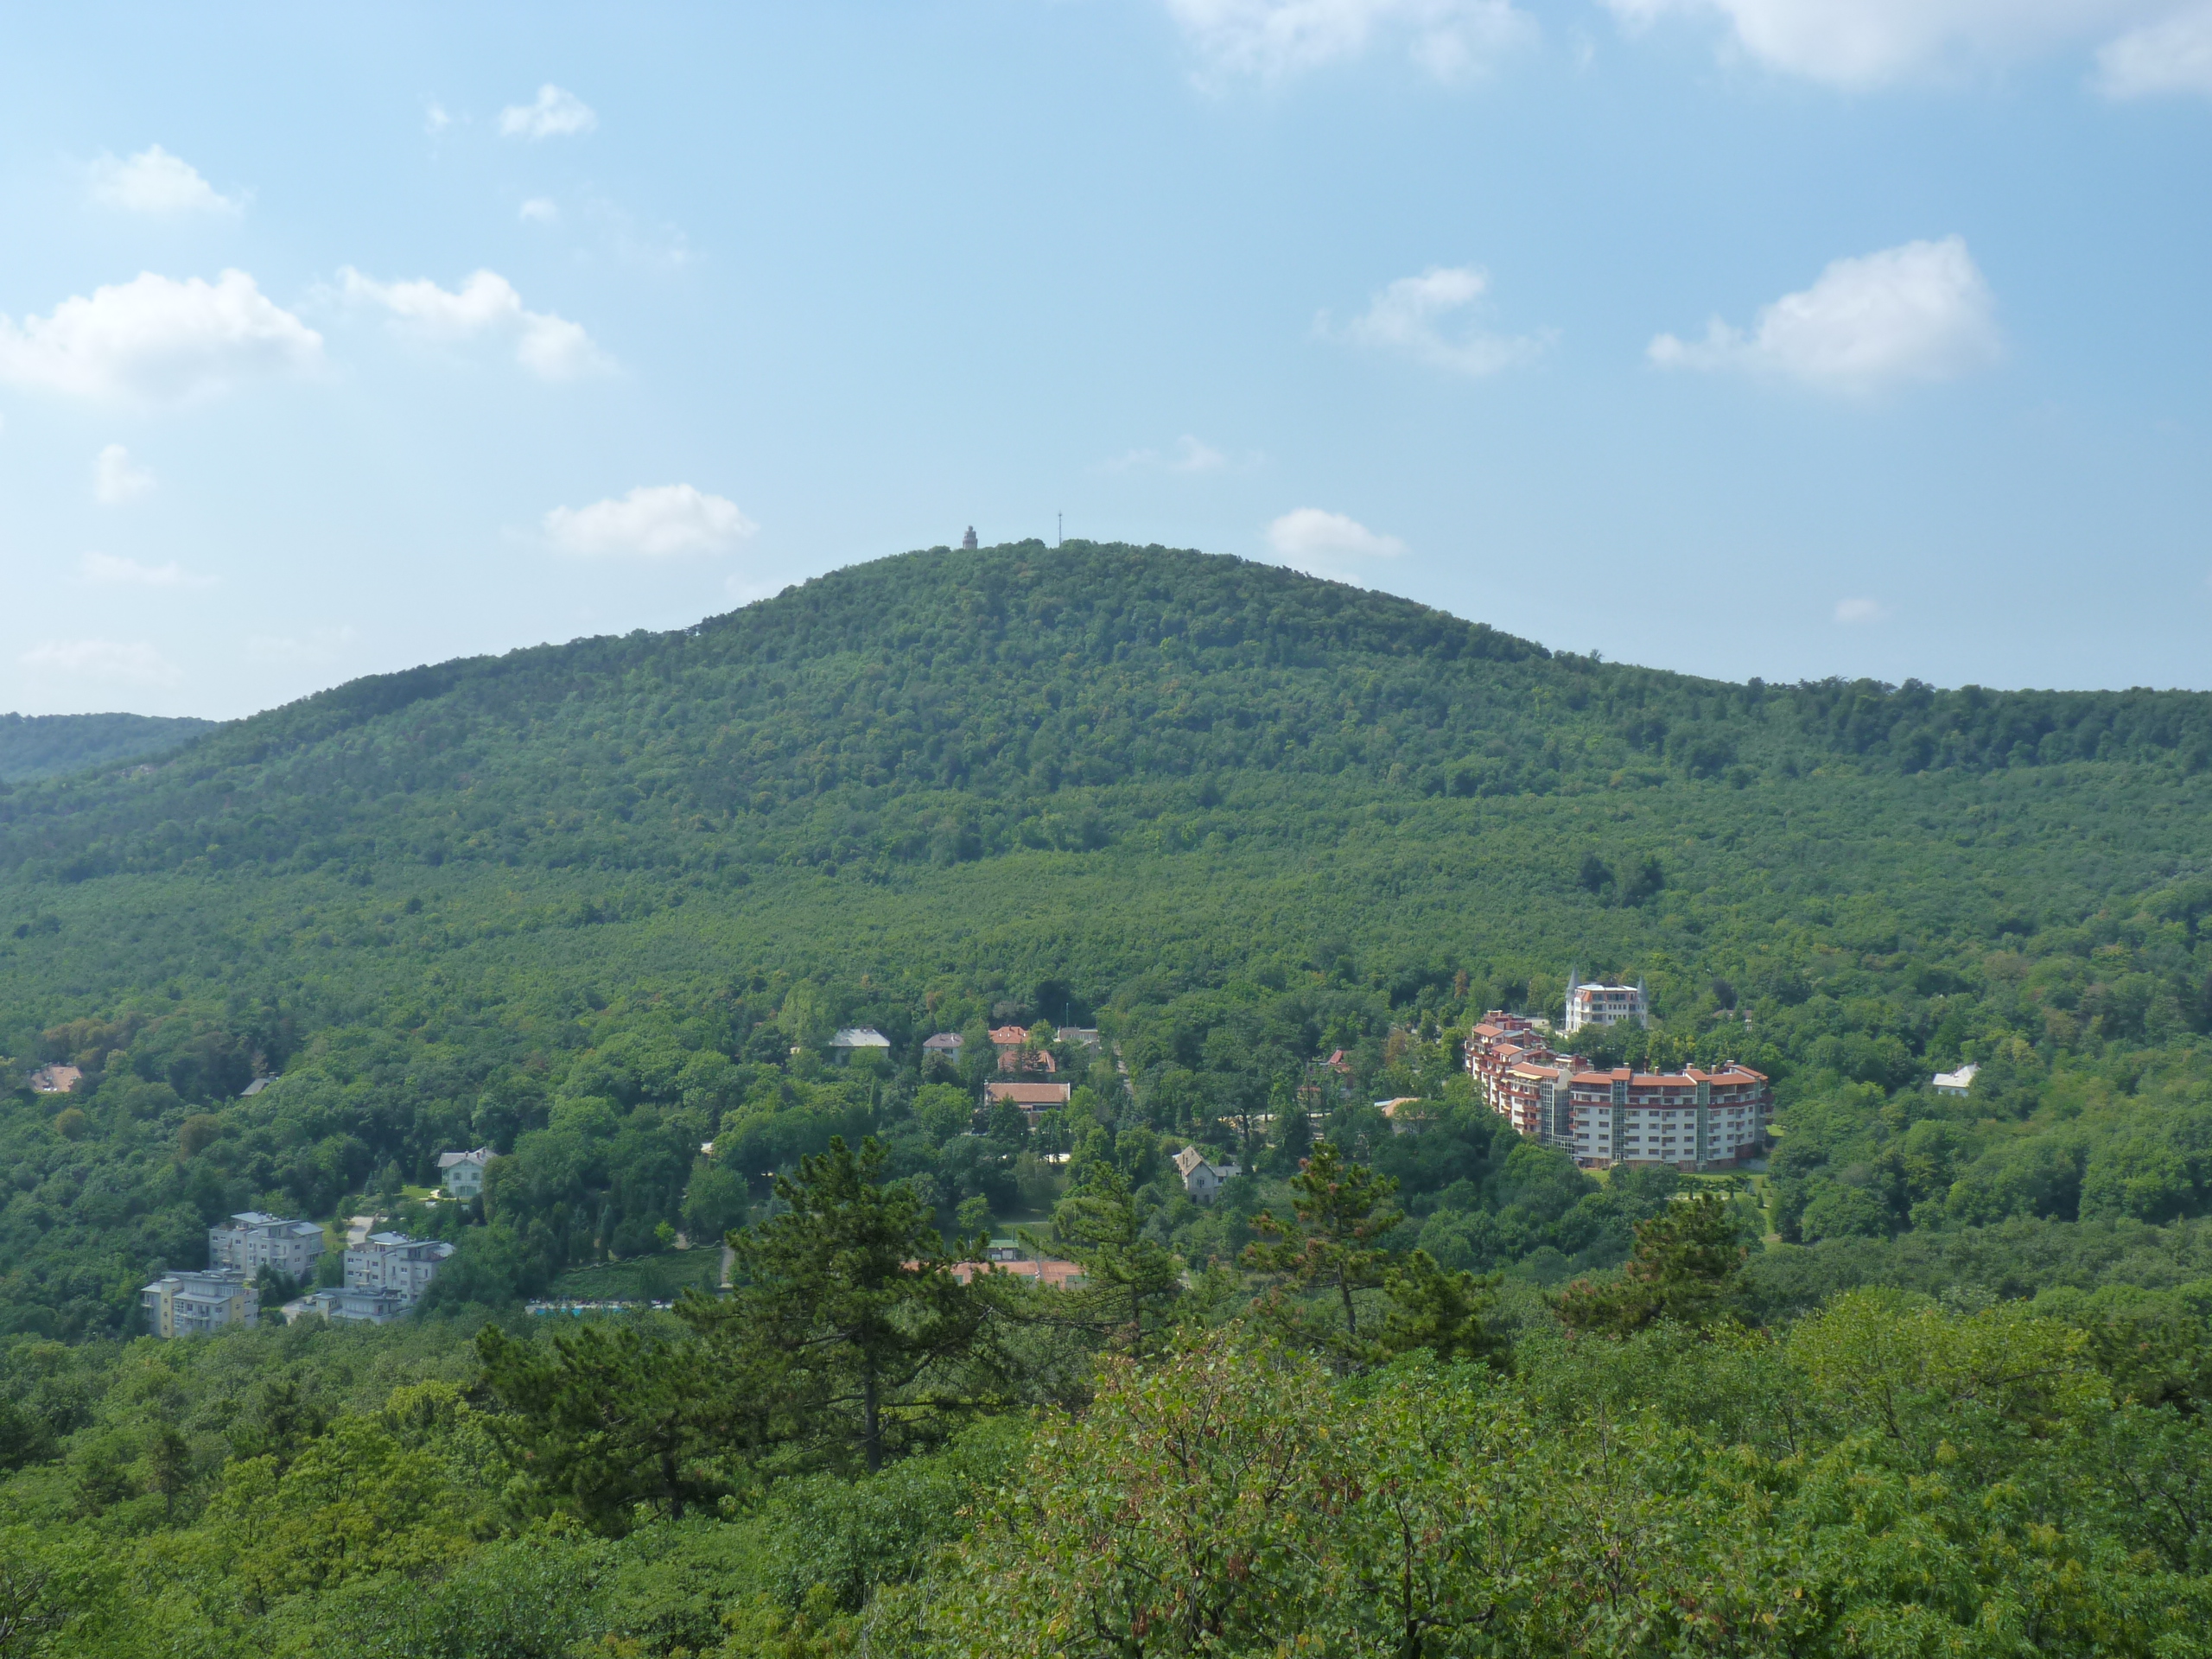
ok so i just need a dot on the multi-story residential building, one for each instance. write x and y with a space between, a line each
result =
1597 1004
395 1263
364 1306
1693 1118
194 1304
462 1173
251 1241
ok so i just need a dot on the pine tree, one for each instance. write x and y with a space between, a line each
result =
853 1287
1128 1280
1446 1312
1685 1263
1339 1213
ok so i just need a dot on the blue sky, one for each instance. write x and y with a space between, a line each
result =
1776 337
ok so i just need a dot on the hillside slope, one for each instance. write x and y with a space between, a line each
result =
47 746
925 706
584 901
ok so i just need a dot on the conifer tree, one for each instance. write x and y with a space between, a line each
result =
1128 1280
1446 1312
1685 1263
852 1287
1339 1213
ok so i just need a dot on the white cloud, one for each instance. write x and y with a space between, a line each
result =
1269 40
110 571
1862 43
154 182
1409 317
320 647
1848 610
540 210
2171 55
1918 312
105 660
557 114
654 521
1328 544
115 480
155 340
1190 456
549 346
435 118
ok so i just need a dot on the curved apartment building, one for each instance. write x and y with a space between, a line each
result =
1693 1119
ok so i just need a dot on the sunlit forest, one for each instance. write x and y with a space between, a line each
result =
1930 1377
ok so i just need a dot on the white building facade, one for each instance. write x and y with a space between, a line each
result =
1594 1003
394 1265
462 1173
197 1304
1202 1179
253 1240
1696 1118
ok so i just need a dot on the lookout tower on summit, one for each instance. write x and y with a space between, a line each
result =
968 540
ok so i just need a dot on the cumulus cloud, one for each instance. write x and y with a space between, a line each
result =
2171 55
107 661
1414 317
156 341
1189 457
540 210
154 182
110 571
557 114
1860 43
654 521
115 480
549 346
1848 610
1919 312
1328 544
1270 39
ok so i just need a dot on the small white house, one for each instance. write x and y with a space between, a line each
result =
859 1039
1203 1180
1955 1083
463 1173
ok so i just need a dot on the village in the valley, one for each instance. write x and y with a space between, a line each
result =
1523 1067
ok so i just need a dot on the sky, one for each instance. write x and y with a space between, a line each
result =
1786 338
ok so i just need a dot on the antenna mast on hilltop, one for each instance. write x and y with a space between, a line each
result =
1059 530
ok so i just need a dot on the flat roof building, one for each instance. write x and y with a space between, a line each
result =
197 1304
252 1240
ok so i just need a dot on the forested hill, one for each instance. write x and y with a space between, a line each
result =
596 905
944 704
46 745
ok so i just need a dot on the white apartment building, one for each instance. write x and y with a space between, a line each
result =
195 1304
395 1263
1594 1003
251 1241
1692 1119
362 1307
